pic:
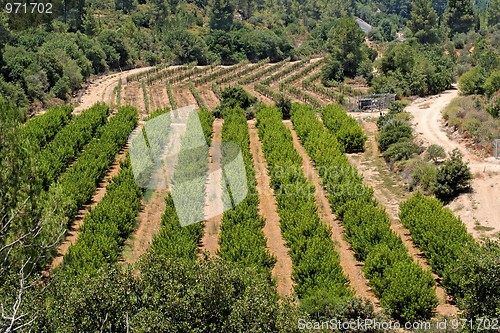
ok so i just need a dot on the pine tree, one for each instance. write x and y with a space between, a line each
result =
459 16
423 21
221 14
344 43
493 13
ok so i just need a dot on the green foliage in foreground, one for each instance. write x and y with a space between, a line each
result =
404 289
168 295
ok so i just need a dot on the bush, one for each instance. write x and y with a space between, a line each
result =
409 294
453 177
472 81
492 83
399 151
480 288
393 132
421 173
236 96
332 70
434 153
344 127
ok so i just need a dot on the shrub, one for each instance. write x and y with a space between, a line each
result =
453 177
236 96
492 83
434 153
480 289
421 173
332 70
344 127
393 132
472 81
409 294
399 151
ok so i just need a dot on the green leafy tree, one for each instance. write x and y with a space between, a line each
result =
332 70
394 131
387 29
471 82
493 13
345 44
285 105
221 14
423 23
492 83
440 6
459 16
453 177
481 281
435 153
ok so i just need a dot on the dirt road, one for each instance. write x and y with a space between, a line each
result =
480 209
101 89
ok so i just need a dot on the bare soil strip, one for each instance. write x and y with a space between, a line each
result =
158 96
209 241
389 193
209 97
134 96
282 271
183 96
74 230
349 264
149 223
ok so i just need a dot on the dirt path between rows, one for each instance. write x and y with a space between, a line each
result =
349 264
282 270
389 193
101 89
74 230
183 96
214 204
209 97
149 223
479 209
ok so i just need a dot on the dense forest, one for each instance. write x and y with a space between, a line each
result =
52 164
46 57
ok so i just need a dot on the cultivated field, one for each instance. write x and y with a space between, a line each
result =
329 236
